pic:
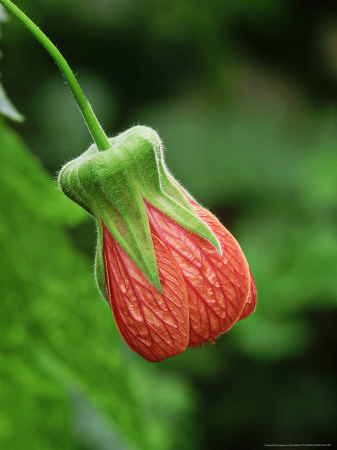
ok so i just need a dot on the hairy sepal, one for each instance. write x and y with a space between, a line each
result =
112 186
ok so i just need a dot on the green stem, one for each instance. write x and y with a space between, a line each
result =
94 126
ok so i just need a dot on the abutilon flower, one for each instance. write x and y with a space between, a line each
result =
172 274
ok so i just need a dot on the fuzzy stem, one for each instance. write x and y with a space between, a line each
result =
89 116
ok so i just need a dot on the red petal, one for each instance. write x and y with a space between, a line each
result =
218 286
250 305
152 324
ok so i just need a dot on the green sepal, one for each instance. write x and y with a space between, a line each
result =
112 186
99 263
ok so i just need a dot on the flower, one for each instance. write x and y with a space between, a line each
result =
172 274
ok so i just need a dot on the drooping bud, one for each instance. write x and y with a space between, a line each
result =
173 275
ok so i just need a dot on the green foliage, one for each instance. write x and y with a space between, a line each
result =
61 358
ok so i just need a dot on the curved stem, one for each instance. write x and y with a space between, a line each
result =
94 126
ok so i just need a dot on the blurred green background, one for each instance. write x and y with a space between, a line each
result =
244 95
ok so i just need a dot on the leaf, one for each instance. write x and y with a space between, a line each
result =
3 15
7 108
61 357
56 334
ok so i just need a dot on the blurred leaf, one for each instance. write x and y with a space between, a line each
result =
7 108
56 334
64 369
29 184
3 14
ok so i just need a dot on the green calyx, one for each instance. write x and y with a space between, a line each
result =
112 186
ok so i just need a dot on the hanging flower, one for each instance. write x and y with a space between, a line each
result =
172 274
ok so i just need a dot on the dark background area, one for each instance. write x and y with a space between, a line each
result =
244 96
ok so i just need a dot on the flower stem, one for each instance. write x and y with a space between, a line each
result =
89 116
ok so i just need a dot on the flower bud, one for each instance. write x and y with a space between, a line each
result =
172 274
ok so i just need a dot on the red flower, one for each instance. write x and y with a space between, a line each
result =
204 293
173 275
